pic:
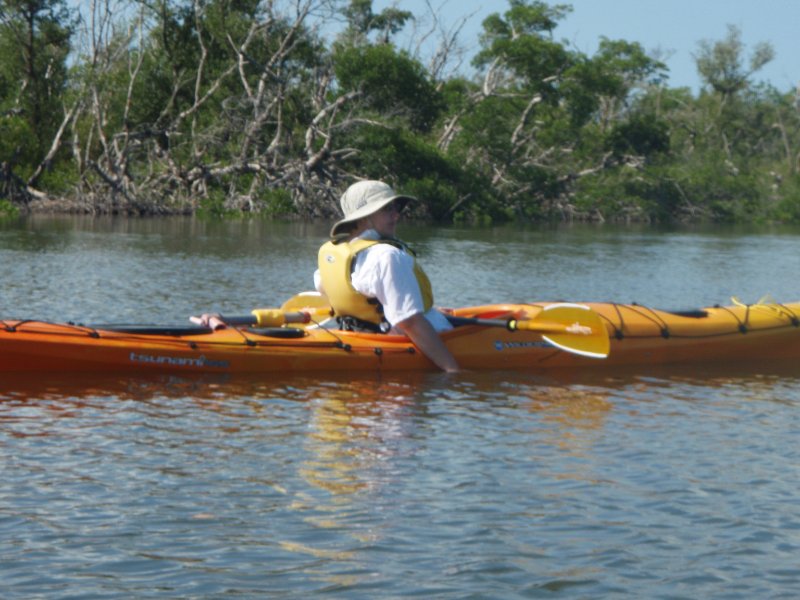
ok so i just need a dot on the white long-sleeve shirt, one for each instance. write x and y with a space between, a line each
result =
386 272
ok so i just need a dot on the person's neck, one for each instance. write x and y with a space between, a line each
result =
368 233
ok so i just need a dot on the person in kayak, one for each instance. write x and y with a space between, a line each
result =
372 279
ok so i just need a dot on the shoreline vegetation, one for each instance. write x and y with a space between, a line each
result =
222 108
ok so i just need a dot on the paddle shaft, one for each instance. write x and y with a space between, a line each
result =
273 317
516 325
572 328
247 320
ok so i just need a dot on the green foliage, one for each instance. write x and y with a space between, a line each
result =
437 195
607 196
397 154
786 196
59 179
607 78
393 83
214 207
447 200
644 135
665 194
720 63
232 106
15 147
361 21
276 203
520 39
729 196
34 44
7 210
444 187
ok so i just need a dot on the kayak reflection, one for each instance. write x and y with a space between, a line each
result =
353 427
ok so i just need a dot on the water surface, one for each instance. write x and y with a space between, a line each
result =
661 483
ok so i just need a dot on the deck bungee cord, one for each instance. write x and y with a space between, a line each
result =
166 335
658 318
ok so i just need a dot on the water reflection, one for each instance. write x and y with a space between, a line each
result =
160 236
355 428
576 407
344 446
344 483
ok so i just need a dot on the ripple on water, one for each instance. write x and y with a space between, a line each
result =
661 486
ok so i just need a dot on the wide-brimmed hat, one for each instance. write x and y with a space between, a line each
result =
363 199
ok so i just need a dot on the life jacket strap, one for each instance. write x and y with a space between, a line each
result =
354 324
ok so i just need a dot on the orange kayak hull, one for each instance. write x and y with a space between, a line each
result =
638 336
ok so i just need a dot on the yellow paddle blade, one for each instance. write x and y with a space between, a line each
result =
301 309
305 300
574 328
315 304
766 302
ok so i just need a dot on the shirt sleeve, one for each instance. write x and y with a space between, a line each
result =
318 282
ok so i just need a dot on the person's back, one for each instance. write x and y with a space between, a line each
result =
373 280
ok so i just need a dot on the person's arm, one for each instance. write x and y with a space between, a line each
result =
424 336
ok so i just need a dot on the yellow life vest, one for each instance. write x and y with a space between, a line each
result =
336 269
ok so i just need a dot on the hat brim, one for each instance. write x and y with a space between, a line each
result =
344 225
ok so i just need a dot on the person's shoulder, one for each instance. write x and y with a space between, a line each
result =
382 249
387 258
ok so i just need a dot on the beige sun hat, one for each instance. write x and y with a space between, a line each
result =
363 199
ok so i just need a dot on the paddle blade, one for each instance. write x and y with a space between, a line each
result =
573 328
591 347
305 300
766 302
312 303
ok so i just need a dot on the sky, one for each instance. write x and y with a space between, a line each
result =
673 27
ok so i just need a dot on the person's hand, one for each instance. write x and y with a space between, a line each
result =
211 320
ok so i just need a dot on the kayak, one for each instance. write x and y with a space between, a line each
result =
587 336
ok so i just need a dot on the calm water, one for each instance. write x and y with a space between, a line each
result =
659 484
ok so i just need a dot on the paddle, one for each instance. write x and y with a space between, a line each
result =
301 309
768 303
262 318
571 327
765 301
305 300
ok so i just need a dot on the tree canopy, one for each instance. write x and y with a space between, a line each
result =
245 106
